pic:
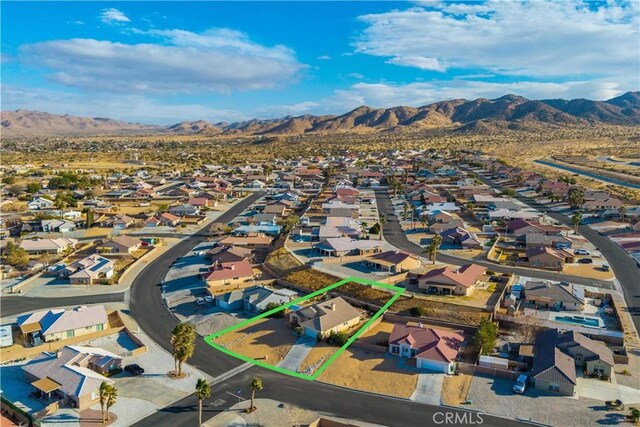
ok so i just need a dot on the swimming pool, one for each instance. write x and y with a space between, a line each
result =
579 320
294 307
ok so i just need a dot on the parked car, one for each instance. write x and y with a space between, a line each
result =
581 252
585 261
521 384
134 369
208 298
605 267
200 301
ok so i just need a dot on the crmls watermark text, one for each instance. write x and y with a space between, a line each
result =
457 418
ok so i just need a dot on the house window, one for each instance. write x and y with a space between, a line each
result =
554 387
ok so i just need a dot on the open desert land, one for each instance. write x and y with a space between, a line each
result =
268 340
370 371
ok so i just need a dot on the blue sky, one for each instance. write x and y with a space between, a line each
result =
162 62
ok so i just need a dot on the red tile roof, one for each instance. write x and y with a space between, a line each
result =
228 270
466 276
430 343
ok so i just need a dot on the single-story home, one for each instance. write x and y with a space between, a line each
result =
393 261
224 274
433 349
254 299
121 245
72 375
58 324
334 315
448 281
552 296
90 270
48 246
342 246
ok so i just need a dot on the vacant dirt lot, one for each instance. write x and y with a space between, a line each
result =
587 270
455 389
268 339
319 354
369 371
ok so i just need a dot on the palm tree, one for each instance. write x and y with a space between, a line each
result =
576 219
634 414
364 228
256 384
622 211
203 391
423 220
383 221
183 340
433 247
112 396
405 210
413 217
102 391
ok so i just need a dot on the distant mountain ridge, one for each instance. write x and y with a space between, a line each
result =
481 114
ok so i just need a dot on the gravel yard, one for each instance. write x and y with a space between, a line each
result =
494 396
266 339
216 323
369 371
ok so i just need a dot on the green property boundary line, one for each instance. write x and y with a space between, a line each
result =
211 338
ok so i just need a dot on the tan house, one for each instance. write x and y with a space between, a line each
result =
71 376
591 355
334 315
120 245
59 324
548 258
393 261
252 241
447 281
228 275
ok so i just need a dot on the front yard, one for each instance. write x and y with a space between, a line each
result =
267 339
370 371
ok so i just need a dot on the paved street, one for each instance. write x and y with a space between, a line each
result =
394 234
625 268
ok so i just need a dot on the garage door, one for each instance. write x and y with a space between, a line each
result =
432 365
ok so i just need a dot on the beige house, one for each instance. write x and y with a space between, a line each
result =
71 376
334 315
228 275
121 245
446 281
60 324
393 261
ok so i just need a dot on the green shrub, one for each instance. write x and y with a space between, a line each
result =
338 339
417 311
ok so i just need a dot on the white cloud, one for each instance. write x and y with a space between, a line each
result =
524 38
324 57
112 15
127 107
218 60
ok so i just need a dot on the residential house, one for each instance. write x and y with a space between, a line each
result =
393 261
254 299
548 258
447 281
57 226
459 237
601 205
320 319
58 324
267 229
72 375
433 349
48 246
553 370
120 245
40 203
226 274
168 219
90 270
594 357
253 241
231 253
552 296
152 222
343 246
184 210
120 222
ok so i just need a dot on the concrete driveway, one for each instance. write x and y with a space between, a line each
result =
601 390
298 353
429 388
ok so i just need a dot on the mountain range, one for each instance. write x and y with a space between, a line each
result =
483 115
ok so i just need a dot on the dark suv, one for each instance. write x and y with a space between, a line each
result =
134 369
